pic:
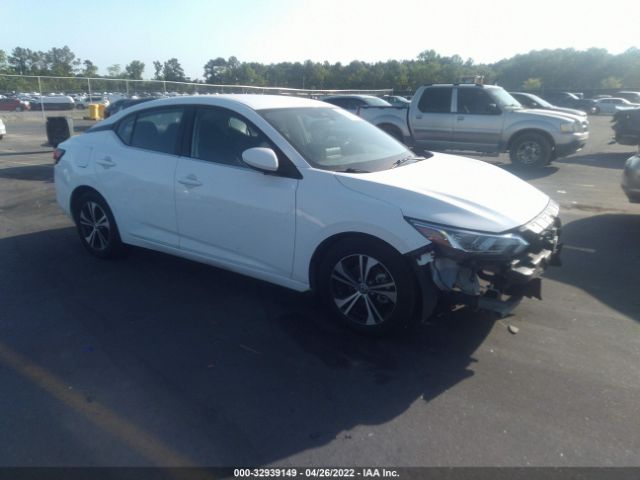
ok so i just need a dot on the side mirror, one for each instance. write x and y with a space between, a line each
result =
262 159
493 109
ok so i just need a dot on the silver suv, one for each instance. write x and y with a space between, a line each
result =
481 118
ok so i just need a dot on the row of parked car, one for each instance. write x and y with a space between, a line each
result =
490 120
567 102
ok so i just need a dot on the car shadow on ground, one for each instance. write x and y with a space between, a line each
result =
38 173
614 160
614 281
235 371
529 173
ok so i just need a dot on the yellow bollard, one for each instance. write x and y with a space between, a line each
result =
93 111
101 108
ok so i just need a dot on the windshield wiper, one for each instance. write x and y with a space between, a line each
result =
404 160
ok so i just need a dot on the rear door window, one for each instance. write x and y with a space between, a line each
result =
435 100
157 130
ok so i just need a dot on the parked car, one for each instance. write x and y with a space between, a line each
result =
14 105
121 104
529 100
305 195
633 97
55 102
481 118
626 126
570 100
397 101
613 104
631 178
351 103
3 129
84 102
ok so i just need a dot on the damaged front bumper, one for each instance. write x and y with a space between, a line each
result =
487 282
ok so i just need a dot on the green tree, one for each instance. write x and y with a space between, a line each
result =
611 83
215 70
532 84
90 69
60 62
4 64
172 71
157 66
20 60
114 71
134 70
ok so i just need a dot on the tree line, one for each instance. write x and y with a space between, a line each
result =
566 69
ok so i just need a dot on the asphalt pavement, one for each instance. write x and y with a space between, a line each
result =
155 360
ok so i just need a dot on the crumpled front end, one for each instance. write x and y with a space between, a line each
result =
495 282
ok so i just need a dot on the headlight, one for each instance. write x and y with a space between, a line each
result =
467 241
569 127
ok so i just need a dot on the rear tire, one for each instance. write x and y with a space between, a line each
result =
96 226
393 131
530 150
368 286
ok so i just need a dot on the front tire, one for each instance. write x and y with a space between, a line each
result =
96 226
530 150
368 285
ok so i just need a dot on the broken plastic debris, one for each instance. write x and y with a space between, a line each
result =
513 329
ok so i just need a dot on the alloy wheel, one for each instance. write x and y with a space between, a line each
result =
94 226
363 289
529 152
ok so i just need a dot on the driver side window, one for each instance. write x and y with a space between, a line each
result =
220 136
475 101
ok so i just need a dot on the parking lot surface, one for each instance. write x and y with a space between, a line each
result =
155 360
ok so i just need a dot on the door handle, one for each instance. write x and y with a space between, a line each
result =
190 181
460 118
418 116
107 162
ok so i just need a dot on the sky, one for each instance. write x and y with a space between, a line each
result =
268 31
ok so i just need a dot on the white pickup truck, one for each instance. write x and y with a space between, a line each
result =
480 118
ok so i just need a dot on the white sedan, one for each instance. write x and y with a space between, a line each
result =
308 196
612 104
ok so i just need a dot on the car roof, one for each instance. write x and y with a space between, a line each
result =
232 101
350 95
253 101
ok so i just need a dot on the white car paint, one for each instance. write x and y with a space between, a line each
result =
452 190
268 226
3 129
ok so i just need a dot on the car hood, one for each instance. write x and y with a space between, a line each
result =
454 191
570 111
551 114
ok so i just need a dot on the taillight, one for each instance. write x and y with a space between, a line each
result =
57 155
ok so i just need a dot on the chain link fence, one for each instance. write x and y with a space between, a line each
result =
36 87
48 93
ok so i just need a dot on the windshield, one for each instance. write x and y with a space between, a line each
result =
540 101
334 139
376 102
503 98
